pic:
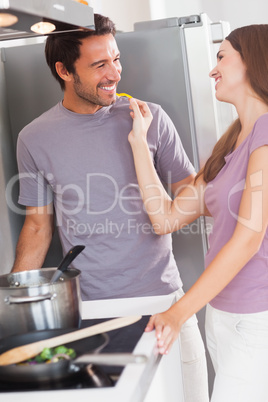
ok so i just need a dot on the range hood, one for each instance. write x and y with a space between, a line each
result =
63 15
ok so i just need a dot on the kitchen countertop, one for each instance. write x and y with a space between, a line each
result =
159 378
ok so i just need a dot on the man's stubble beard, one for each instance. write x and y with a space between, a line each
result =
90 97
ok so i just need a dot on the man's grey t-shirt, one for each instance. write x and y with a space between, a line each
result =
84 164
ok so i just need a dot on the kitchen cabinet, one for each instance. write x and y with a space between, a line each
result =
158 379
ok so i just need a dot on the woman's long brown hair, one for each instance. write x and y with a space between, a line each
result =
252 43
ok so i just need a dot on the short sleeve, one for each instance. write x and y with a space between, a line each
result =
171 161
35 191
259 136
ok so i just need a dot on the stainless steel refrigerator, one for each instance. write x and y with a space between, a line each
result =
164 61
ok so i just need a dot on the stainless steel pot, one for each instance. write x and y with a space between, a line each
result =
29 302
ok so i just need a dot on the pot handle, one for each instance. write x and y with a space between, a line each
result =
29 299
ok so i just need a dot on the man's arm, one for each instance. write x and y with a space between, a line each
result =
34 239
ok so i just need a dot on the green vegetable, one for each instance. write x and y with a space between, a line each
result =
71 352
60 349
47 354
38 359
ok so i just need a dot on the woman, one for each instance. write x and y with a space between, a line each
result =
233 189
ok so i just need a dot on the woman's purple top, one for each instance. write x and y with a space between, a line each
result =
248 291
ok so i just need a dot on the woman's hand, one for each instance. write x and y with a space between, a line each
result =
142 118
167 329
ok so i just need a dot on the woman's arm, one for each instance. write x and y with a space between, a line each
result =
250 230
165 214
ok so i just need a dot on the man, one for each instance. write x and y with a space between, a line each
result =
75 159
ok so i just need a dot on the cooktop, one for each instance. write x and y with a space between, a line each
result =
122 340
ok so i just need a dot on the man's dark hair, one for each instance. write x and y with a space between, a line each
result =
65 47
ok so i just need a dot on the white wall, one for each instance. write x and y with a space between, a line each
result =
237 13
125 12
